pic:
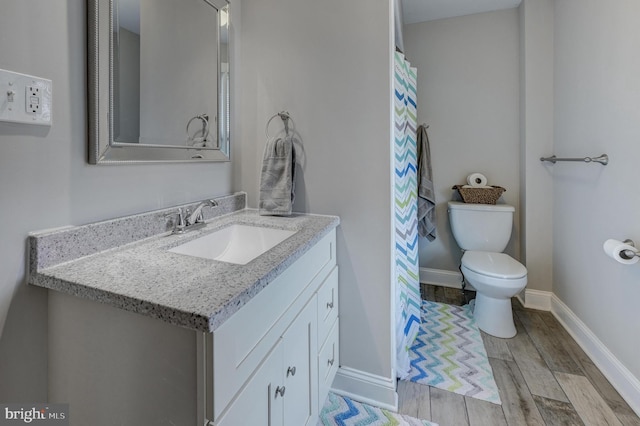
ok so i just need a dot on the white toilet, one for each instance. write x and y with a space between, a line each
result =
483 232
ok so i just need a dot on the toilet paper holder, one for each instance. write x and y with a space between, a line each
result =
628 254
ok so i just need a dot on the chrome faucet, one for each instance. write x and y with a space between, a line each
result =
184 220
196 217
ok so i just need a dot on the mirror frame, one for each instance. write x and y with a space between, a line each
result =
102 148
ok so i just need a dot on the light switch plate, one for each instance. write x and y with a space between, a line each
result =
25 98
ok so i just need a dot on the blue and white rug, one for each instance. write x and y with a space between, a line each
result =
343 411
449 353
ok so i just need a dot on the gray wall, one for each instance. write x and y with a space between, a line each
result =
328 64
468 93
597 109
45 180
536 140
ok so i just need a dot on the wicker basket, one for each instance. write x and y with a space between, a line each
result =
480 195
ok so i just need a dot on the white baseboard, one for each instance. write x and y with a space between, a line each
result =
365 387
536 299
442 277
620 377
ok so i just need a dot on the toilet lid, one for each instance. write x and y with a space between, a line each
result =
497 265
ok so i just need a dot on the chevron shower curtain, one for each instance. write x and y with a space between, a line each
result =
406 212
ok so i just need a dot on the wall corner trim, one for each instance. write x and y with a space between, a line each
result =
537 299
366 387
441 277
620 377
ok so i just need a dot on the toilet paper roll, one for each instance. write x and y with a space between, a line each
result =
615 249
477 180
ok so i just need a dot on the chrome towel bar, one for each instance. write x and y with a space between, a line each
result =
603 159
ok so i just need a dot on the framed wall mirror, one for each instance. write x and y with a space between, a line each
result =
158 81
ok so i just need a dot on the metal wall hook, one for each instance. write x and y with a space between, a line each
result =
284 116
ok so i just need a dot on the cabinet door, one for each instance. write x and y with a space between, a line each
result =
300 345
260 402
328 361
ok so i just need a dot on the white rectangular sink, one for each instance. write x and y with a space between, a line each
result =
235 244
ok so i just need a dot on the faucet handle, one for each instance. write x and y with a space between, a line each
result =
179 223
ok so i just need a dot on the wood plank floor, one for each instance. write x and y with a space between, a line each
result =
543 376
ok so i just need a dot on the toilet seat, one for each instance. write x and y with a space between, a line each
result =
496 265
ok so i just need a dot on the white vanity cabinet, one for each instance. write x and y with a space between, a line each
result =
141 335
269 363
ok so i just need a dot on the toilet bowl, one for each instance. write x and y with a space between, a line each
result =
483 231
497 277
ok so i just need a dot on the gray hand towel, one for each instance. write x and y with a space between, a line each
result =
277 188
426 193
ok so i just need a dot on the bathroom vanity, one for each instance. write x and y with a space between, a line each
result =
140 334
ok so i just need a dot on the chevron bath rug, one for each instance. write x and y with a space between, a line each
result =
342 411
449 354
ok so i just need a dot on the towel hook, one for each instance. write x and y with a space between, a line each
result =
285 117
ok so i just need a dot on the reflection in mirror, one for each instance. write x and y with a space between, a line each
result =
168 80
224 111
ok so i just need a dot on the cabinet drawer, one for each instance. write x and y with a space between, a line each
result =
327 305
328 362
241 343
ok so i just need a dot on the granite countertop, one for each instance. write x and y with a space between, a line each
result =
144 277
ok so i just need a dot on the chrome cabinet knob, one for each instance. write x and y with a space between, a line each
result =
291 371
329 305
280 390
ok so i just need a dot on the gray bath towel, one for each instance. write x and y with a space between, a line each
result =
277 180
426 193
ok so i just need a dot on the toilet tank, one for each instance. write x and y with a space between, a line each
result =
481 227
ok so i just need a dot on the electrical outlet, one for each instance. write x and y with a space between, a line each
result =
32 99
36 105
